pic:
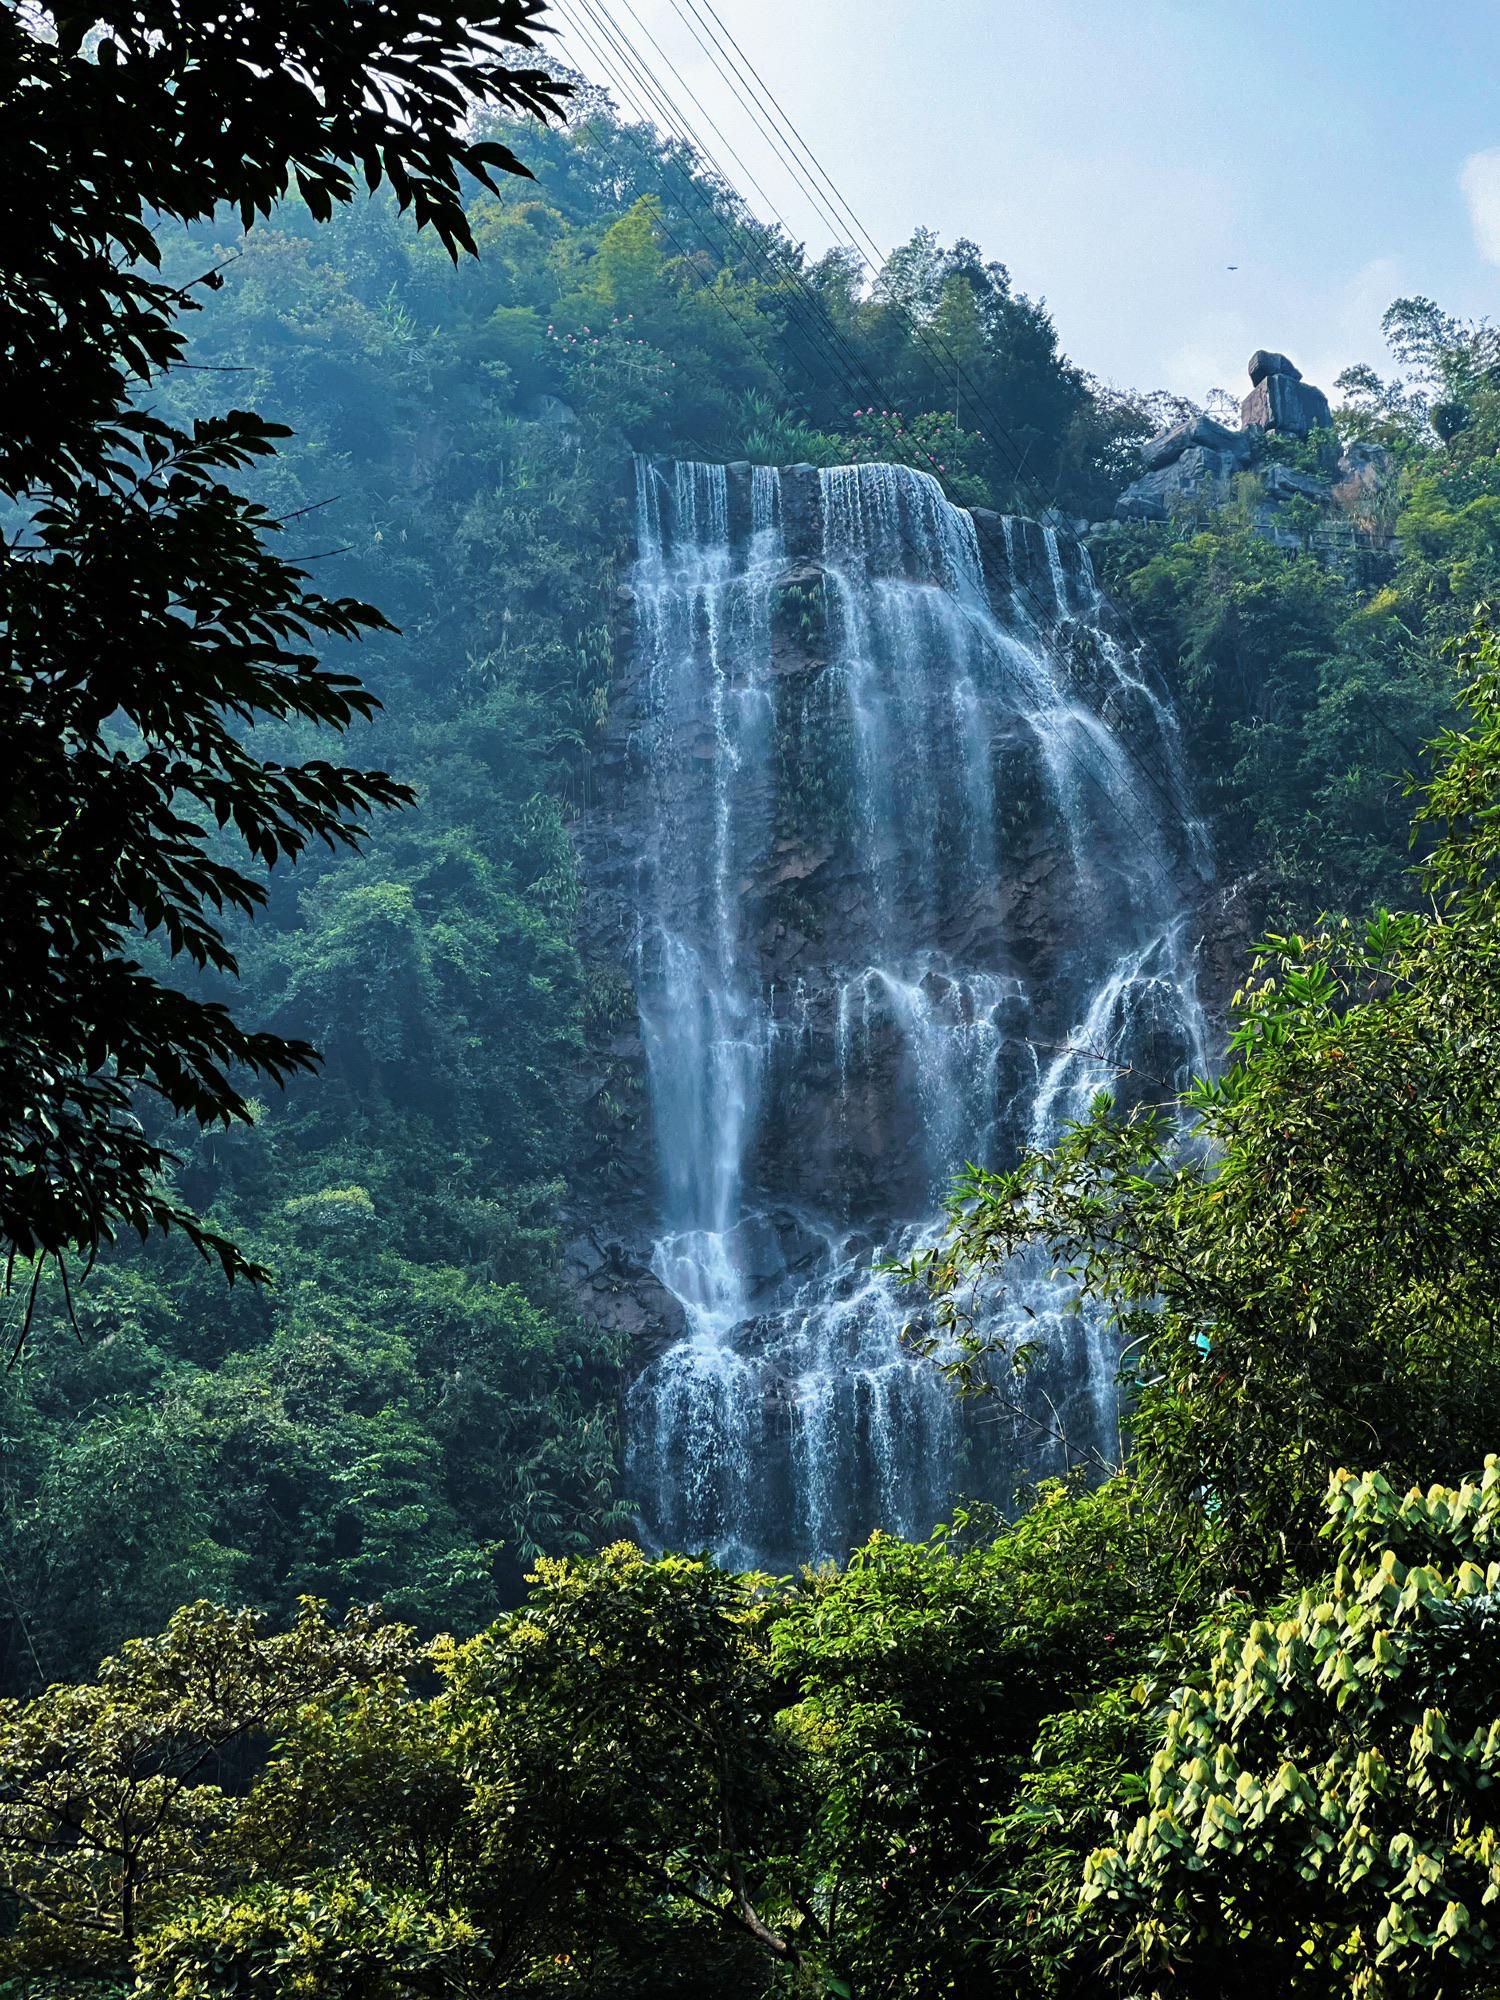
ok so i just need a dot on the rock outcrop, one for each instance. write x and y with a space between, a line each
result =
1201 433
1363 470
1195 477
1279 399
1283 482
1192 467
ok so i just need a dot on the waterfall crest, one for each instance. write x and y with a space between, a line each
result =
914 883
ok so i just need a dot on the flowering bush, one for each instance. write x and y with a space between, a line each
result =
611 369
933 441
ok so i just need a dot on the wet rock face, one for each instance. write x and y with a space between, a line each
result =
889 825
615 1287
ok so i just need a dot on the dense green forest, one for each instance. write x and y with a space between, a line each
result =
1225 1723
412 1412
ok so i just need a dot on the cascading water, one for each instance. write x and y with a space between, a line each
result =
914 884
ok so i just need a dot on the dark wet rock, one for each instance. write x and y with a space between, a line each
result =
994 551
774 1251
1232 917
802 507
738 499
615 1286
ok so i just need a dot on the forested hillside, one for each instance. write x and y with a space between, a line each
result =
896 1776
414 1410
1309 687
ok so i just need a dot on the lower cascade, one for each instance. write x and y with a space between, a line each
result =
911 879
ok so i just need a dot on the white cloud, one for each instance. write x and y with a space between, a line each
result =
1480 181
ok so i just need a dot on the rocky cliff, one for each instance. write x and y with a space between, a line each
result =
891 828
1192 469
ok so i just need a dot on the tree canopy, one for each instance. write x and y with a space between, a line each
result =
148 621
1218 1722
1311 1283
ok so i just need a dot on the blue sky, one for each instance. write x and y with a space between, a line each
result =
1118 155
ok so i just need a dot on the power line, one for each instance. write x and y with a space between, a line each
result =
658 109
815 322
644 116
853 357
864 243
1161 782
681 128
855 360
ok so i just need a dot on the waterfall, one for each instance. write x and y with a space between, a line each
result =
913 884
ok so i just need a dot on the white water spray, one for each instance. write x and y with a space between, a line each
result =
970 779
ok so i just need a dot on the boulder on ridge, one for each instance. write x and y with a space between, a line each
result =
1283 482
1265 361
1281 402
1199 430
1200 477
